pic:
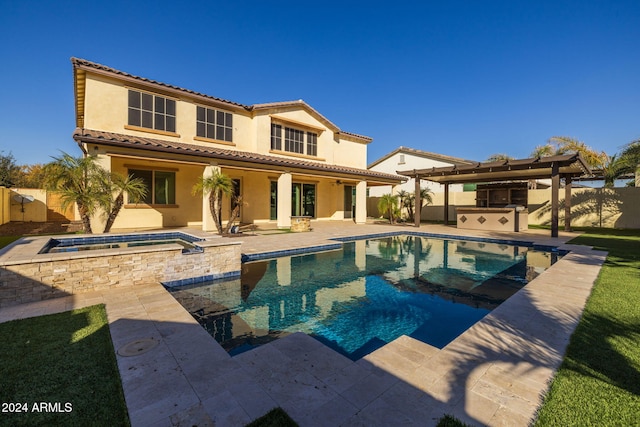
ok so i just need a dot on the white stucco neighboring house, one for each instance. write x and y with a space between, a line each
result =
405 158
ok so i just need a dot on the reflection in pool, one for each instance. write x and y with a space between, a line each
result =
365 295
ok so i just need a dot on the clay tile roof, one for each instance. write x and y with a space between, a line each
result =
83 135
83 63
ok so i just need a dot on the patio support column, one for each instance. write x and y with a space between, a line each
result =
207 219
284 200
418 202
555 189
567 203
361 202
446 203
98 221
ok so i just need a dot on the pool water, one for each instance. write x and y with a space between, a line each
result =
81 244
365 295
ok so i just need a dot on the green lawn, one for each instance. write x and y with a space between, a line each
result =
60 370
599 380
277 417
5 240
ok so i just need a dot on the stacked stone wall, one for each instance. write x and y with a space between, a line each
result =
35 281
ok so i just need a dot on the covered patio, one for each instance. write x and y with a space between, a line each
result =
566 167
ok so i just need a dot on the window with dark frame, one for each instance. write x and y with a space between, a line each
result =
214 124
276 137
161 186
295 140
312 144
152 111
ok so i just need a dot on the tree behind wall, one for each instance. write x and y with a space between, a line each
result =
8 170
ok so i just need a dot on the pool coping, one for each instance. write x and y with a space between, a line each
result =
495 373
27 249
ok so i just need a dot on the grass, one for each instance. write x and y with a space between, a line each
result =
277 417
598 382
65 360
450 421
6 240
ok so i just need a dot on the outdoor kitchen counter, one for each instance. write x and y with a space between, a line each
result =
493 219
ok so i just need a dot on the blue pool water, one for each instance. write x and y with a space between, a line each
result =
366 294
80 244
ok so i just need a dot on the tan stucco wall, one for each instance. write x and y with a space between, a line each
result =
106 108
188 208
331 148
349 153
35 211
256 186
590 207
5 205
255 189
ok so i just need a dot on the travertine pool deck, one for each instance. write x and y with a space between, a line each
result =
495 373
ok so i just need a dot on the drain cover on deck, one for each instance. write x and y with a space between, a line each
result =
137 347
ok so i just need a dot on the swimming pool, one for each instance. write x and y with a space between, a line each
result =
366 294
79 244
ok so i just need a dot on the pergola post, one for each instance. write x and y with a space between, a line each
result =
418 202
567 203
446 203
555 188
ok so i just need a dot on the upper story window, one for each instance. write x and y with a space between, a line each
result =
295 140
214 124
276 136
152 111
312 144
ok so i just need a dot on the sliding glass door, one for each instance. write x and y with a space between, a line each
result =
303 200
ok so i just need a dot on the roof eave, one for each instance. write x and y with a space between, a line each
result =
81 136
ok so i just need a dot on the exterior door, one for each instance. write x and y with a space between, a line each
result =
348 202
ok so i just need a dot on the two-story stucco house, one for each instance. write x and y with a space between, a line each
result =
285 158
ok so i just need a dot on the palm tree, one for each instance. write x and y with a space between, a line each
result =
499 157
216 185
425 198
546 150
567 144
79 180
135 189
407 201
630 158
612 170
389 204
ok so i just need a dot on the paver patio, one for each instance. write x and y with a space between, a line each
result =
495 373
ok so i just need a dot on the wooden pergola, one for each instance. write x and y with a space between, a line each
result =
567 167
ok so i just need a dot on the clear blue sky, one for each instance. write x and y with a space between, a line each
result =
461 78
